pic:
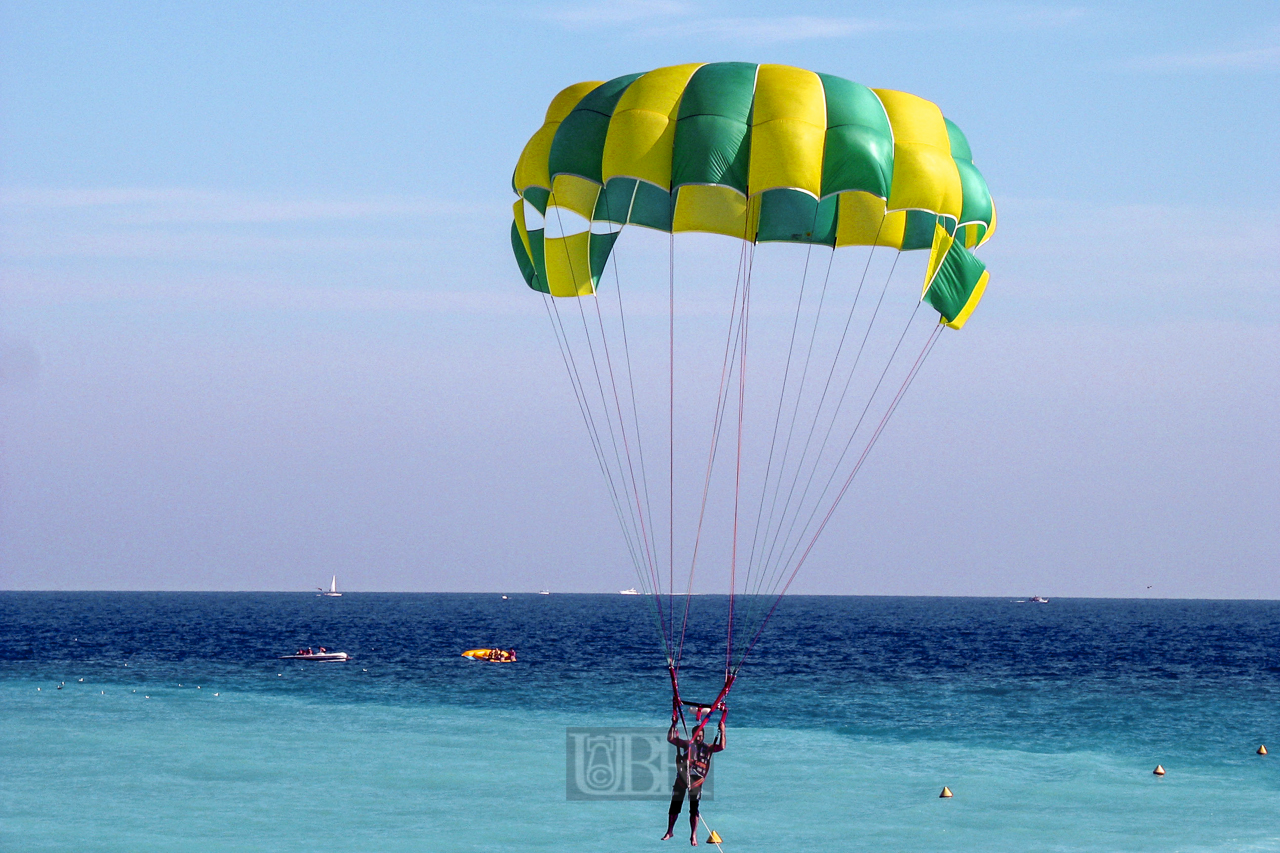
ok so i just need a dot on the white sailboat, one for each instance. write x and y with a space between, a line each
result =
333 589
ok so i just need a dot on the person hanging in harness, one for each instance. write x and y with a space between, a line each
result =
693 763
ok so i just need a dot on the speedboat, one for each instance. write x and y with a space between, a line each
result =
332 592
491 655
323 655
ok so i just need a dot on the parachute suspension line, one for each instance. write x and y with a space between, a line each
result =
654 591
737 476
756 541
778 540
785 563
575 380
902 390
777 414
626 349
853 435
775 573
795 409
765 576
636 513
671 431
625 443
745 258
644 477
637 520
622 428
655 602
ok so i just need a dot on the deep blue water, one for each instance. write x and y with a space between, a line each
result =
848 718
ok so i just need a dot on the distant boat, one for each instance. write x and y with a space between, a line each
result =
544 592
491 655
322 655
631 591
1035 599
333 589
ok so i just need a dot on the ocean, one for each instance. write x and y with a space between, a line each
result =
176 727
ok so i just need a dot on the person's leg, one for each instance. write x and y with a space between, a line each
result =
677 802
695 799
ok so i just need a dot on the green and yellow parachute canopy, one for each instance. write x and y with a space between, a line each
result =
763 153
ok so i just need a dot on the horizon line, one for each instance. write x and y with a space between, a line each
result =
320 594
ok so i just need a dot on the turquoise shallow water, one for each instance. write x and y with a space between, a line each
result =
1045 721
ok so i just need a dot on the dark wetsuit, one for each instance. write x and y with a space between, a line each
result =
693 763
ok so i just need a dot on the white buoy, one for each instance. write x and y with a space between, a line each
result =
217 694
1159 771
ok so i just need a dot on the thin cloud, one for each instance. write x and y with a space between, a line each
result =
774 30
352 238
230 290
1133 262
1018 17
666 19
612 13
182 205
1260 57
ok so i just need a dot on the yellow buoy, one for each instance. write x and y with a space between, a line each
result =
1159 771
946 792
714 838
1262 750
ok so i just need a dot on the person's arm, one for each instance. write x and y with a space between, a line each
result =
720 737
675 739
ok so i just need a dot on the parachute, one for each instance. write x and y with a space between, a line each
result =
731 392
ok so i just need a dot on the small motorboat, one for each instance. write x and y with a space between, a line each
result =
631 591
323 655
491 655
544 592
1035 599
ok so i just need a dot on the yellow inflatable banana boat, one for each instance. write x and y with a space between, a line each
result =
492 655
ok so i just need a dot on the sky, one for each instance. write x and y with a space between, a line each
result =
260 323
